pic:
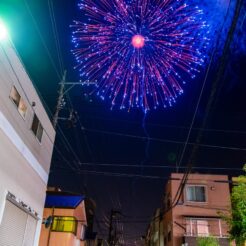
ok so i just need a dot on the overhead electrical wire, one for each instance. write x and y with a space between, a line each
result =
119 134
186 143
190 163
114 174
117 174
85 139
64 139
52 62
81 128
154 166
182 184
174 126
55 33
61 63
56 36
162 140
42 40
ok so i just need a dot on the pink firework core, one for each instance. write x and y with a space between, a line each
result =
138 41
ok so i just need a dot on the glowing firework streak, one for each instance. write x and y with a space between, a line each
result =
139 52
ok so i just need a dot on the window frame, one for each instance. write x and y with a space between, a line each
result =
195 201
199 226
60 216
192 227
38 127
17 103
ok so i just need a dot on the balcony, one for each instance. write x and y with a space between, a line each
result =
192 241
203 227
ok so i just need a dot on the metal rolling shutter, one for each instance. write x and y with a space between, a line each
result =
17 227
13 225
31 226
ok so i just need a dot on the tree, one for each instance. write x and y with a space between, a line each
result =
237 221
237 218
207 241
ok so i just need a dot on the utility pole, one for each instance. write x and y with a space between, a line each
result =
112 238
110 229
59 100
55 120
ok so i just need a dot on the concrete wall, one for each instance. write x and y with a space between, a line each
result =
24 161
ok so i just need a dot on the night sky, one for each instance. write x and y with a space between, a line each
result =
113 156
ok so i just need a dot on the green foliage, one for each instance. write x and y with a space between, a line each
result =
238 219
207 241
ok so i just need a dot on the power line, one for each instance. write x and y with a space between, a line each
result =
114 174
175 126
163 140
42 39
55 33
154 166
190 164
126 175
214 86
81 128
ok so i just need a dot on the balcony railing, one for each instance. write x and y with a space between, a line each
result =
192 241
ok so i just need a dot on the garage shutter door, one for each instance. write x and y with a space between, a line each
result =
12 228
17 227
30 231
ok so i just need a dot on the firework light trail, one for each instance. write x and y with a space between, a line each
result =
139 52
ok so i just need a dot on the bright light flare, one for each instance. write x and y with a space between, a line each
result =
138 41
3 31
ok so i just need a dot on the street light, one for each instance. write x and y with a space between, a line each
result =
3 31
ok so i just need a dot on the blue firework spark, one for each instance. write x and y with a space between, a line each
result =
139 52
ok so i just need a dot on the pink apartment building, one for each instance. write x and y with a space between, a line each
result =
196 214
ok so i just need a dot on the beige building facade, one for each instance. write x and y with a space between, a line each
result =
26 145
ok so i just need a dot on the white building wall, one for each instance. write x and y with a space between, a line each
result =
24 161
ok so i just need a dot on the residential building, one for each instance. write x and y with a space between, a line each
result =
196 213
26 146
65 220
90 235
155 235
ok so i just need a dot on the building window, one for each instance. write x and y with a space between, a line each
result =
18 101
202 227
37 128
195 193
64 224
197 227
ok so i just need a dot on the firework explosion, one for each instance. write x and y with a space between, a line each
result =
139 52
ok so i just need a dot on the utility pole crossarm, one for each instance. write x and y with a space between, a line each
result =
59 101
